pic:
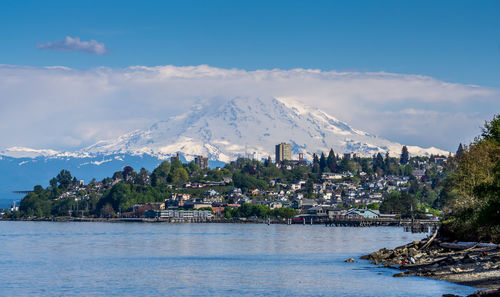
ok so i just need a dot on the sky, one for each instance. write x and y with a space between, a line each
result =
422 72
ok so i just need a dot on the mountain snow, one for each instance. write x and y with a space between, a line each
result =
24 152
245 126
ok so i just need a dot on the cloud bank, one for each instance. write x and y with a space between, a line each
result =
70 44
63 108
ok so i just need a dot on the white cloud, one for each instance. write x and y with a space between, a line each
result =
70 44
61 108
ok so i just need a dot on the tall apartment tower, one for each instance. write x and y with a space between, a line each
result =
283 152
202 162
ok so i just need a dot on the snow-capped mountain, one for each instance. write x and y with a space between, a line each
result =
222 132
246 126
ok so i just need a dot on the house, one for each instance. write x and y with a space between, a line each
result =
317 210
303 203
255 192
418 173
365 213
275 204
334 212
202 205
331 176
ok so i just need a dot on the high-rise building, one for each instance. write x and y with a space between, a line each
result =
283 152
202 162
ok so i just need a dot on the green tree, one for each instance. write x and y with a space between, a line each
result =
460 151
179 176
175 164
491 130
471 191
331 161
64 179
160 174
322 163
405 156
285 212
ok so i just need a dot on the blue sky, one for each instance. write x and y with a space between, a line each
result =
454 41
421 73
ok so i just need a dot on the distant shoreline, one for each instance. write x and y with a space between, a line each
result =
143 220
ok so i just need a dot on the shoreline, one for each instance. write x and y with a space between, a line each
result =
145 220
471 264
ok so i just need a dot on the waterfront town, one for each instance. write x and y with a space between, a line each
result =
280 190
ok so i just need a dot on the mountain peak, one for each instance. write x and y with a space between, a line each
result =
244 126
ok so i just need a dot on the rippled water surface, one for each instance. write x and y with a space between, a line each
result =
141 259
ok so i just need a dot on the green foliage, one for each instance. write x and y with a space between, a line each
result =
322 163
176 164
400 202
331 161
160 174
374 206
491 130
285 212
64 179
246 182
405 156
247 210
472 191
179 176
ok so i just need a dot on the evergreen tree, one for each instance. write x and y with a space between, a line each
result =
64 179
405 156
378 163
460 151
315 166
331 161
315 159
322 163
387 163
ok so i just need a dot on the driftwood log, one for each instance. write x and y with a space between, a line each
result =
468 245
428 243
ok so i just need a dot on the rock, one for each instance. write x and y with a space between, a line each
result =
487 265
402 274
419 255
449 261
350 260
412 252
467 259
365 257
486 293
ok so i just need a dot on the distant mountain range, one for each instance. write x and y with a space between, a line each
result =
239 127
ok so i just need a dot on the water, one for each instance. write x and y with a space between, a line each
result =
141 259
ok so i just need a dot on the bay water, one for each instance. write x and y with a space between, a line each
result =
165 259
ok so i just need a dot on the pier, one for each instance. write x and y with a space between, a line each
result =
410 225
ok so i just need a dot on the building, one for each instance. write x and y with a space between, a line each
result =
365 213
283 152
202 162
179 214
176 157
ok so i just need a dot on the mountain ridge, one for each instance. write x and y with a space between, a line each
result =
236 128
251 125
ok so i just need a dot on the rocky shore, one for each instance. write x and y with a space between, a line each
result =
466 263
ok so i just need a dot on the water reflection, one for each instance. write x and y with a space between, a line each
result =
128 259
